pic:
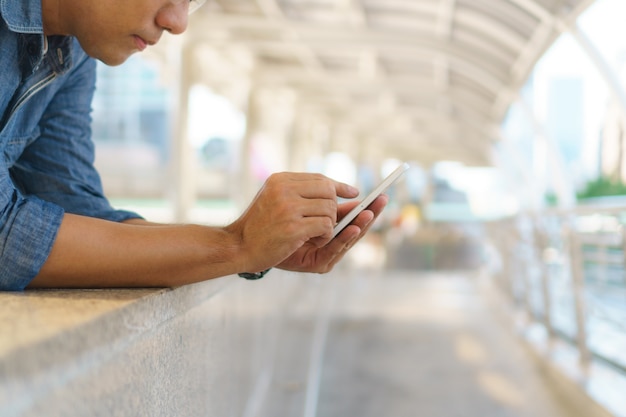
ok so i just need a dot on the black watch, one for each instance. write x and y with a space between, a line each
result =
254 275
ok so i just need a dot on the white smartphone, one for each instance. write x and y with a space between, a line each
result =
370 198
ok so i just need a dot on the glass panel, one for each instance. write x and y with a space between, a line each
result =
131 125
603 24
132 128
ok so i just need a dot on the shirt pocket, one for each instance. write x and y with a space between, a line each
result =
15 144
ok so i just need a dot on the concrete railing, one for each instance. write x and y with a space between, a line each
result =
226 347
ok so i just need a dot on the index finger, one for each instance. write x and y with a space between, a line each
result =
321 186
345 190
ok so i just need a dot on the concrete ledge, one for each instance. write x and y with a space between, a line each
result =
197 350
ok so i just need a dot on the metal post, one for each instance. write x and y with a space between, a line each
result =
542 243
603 262
183 164
578 292
524 259
507 244
624 252
247 187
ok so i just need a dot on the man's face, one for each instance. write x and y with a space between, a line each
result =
113 30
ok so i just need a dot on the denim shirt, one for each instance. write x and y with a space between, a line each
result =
46 151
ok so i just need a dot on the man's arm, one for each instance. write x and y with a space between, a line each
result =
92 253
289 225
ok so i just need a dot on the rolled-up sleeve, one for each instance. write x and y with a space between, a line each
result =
28 227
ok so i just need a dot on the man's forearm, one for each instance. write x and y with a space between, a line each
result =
91 253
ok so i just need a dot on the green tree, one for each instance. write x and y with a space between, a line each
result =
602 187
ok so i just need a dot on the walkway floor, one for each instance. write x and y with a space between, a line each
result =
426 345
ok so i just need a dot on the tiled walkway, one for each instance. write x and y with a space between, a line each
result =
417 345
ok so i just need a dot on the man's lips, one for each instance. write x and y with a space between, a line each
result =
140 42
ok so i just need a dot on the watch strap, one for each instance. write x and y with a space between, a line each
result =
253 275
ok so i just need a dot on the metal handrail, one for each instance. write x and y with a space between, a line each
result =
578 251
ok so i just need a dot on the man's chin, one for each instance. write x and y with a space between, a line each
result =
114 61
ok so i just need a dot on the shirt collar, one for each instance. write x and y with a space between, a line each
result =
23 16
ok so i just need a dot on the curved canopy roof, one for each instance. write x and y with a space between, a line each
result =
431 79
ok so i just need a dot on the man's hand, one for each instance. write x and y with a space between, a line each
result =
312 258
293 214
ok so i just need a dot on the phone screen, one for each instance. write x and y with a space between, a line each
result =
397 173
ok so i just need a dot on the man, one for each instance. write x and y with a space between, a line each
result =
56 227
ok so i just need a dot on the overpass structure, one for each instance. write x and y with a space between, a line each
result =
424 81
433 314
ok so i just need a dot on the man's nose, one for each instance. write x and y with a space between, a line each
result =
174 17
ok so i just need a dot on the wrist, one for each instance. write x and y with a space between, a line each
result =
242 255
